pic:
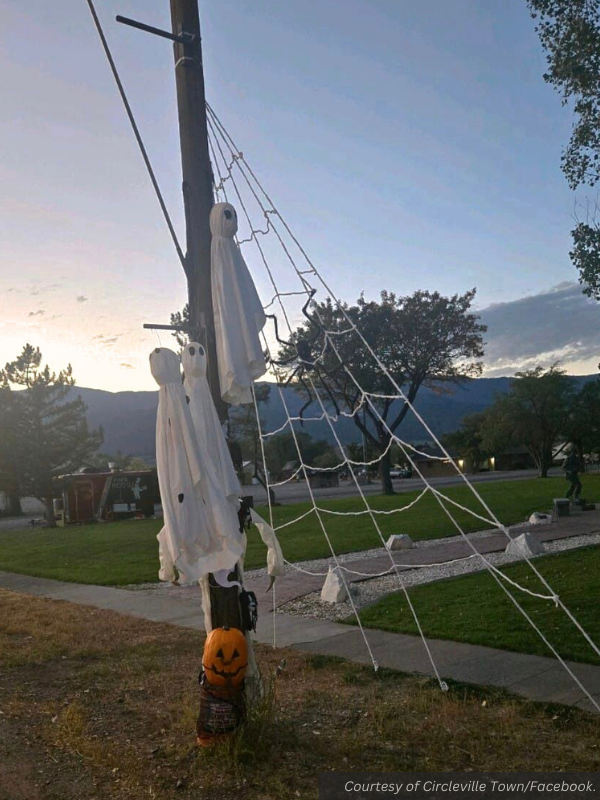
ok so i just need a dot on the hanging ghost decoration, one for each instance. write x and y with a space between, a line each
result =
275 562
207 425
238 312
200 532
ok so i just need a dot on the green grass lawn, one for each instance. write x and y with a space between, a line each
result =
474 609
127 552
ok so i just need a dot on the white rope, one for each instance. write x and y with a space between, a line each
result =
238 158
364 394
443 685
464 508
303 292
326 535
440 497
554 596
295 520
404 567
270 505
398 510
293 432
323 510
319 418
294 474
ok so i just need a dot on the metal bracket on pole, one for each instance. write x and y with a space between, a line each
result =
182 38
182 328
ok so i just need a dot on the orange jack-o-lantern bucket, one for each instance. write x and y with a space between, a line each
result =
225 657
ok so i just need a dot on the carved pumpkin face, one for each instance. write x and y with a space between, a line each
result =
225 657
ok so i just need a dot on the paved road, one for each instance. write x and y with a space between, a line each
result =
297 490
14 523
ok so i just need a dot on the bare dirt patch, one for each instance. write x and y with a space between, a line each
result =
95 705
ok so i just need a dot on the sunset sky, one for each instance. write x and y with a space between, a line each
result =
410 145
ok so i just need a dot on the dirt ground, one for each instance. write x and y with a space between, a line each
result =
95 705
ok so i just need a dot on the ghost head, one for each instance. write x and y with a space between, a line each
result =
223 220
164 366
193 359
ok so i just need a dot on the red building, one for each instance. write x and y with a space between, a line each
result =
90 496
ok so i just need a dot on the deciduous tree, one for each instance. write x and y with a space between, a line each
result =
424 339
569 31
532 414
468 442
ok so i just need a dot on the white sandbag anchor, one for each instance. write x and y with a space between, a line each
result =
525 546
334 590
399 541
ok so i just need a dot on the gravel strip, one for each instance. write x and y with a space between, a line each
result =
322 564
368 591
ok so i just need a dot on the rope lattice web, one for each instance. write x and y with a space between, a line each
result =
229 163
235 181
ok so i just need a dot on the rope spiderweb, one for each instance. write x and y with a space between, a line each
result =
232 170
231 159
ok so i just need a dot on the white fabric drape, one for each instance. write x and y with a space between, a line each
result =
201 529
238 312
207 425
275 562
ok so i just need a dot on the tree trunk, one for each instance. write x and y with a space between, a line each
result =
13 508
50 521
263 483
580 455
385 465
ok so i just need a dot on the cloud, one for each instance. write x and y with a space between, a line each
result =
37 313
560 324
50 287
106 341
81 298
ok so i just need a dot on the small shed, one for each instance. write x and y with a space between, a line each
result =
89 496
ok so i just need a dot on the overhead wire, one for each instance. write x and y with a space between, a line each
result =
136 133
236 158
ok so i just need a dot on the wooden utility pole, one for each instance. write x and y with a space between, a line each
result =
198 200
197 183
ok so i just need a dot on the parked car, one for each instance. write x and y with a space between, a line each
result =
400 472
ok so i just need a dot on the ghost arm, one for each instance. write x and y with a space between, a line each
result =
275 561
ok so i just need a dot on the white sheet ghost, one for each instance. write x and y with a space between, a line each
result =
275 562
238 312
196 513
206 420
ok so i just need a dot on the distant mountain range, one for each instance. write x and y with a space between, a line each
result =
129 418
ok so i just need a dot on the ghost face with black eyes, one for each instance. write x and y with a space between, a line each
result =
193 360
224 221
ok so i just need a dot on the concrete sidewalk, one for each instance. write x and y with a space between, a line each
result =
533 677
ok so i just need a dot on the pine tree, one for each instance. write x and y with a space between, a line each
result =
9 470
51 430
